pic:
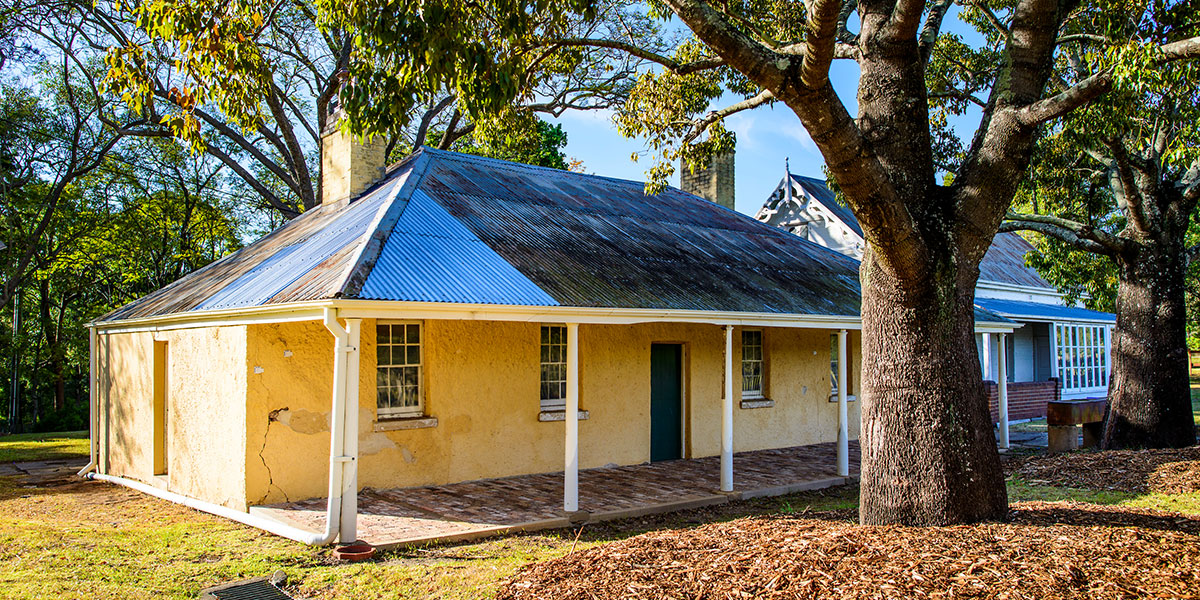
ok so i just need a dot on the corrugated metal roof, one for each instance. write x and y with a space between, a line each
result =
1015 309
1005 263
601 242
431 257
448 227
305 259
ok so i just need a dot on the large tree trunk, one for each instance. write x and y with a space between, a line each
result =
1149 395
928 451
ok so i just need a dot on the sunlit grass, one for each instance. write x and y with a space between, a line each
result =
43 446
1020 491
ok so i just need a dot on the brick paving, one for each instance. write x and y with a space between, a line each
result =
396 516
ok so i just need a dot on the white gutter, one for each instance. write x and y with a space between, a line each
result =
91 402
337 458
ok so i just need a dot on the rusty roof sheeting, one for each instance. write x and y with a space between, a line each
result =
601 242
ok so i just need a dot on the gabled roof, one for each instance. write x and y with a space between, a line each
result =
1004 262
449 227
817 190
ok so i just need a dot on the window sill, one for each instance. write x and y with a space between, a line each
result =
402 423
757 403
849 398
547 416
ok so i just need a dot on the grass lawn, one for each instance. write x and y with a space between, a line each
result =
43 446
1196 403
65 538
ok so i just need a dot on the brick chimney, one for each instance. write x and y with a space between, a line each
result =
348 165
713 183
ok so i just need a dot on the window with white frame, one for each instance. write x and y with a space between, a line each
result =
833 366
398 370
554 367
752 363
1082 355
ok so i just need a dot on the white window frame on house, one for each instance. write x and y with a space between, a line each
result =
553 367
1082 360
749 390
390 392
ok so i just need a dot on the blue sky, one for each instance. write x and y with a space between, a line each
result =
765 137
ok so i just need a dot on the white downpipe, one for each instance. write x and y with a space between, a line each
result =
334 514
843 439
349 517
727 416
1003 391
571 470
91 403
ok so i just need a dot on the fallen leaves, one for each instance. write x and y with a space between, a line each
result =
1057 550
1169 471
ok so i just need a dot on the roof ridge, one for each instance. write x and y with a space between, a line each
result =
379 230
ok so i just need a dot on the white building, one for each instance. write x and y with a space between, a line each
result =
1059 351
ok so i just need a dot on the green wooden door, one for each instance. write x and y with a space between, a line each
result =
666 402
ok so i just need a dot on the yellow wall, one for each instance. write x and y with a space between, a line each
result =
205 421
481 384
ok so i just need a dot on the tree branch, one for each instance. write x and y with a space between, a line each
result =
634 50
702 123
1076 234
933 26
1066 101
822 29
1182 49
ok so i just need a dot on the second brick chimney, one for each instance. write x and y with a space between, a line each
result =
714 182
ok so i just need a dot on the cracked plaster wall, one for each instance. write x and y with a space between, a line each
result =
481 383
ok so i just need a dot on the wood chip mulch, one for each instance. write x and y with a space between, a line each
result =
1172 471
1047 550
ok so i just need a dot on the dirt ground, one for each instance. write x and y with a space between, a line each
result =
1162 471
1046 550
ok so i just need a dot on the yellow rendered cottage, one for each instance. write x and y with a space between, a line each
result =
460 318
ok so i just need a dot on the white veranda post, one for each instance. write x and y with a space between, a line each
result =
349 518
843 439
1003 391
571 472
727 416
987 357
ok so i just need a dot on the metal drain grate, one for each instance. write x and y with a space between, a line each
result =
250 589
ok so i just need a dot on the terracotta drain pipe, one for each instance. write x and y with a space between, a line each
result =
338 459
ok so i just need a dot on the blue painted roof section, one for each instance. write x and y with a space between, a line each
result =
1015 309
431 257
288 265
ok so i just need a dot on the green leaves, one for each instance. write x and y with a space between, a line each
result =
408 53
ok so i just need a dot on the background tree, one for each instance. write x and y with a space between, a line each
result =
929 455
250 83
1120 181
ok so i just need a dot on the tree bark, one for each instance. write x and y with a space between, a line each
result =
1149 393
928 452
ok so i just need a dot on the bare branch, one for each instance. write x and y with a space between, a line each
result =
1066 101
702 123
640 52
1077 234
1182 49
933 26
819 47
